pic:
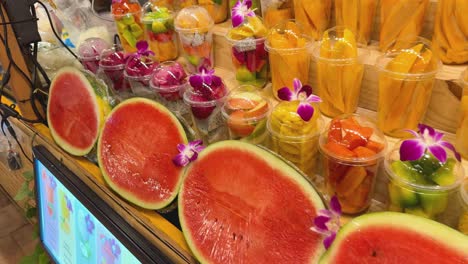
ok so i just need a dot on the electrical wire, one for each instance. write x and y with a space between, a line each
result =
13 135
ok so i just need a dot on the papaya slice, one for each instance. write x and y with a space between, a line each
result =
363 152
354 176
339 150
374 146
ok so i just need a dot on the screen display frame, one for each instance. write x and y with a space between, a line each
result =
138 245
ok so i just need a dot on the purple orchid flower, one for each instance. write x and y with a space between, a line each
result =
188 153
143 49
328 222
426 139
302 93
241 10
89 224
204 76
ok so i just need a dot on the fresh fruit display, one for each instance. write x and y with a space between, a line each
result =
138 70
463 219
194 26
389 237
89 53
159 31
111 70
461 140
294 133
246 112
255 6
247 37
400 19
169 81
135 152
241 204
352 150
289 55
339 72
276 11
205 99
406 77
77 107
424 176
357 15
314 15
218 9
127 15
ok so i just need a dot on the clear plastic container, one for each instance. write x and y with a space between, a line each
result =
194 26
463 218
358 16
406 78
249 57
127 16
89 53
138 70
294 139
400 19
218 9
339 71
411 186
352 149
159 31
111 70
246 112
461 140
276 11
314 15
289 52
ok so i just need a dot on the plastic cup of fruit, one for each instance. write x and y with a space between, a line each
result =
89 53
194 26
463 218
206 116
246 113
425 187
352 149
340 70
138 74
406 78
294 139
287 60
129 26
461 140
159 31
276 11
111 70
250 60
218 9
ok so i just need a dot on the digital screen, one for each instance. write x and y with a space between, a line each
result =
69 232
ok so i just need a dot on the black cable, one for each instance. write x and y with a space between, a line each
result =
19 21
53 29
5 80
13 135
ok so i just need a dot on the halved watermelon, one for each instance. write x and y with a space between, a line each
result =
76 110
241 204
135 152
390 237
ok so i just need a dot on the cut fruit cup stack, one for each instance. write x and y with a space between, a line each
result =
425 187
249 56
246 112
194 26
89 53
339 72
352 149
406 78
276 11
356 15
288 49
111 70
127 15
159 31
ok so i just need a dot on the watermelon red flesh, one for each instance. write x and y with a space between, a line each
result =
136 148
72 112
236 208
390 245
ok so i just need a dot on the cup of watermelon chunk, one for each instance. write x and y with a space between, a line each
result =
352 149
425 187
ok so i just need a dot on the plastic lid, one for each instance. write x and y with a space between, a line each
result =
409 60
248 100
169 76
285 123
113 58
91 49
140 66
152 12
287 36
196 98
353 139
193 19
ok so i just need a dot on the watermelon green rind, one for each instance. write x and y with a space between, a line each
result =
273 160
101 107
128 195
437 232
